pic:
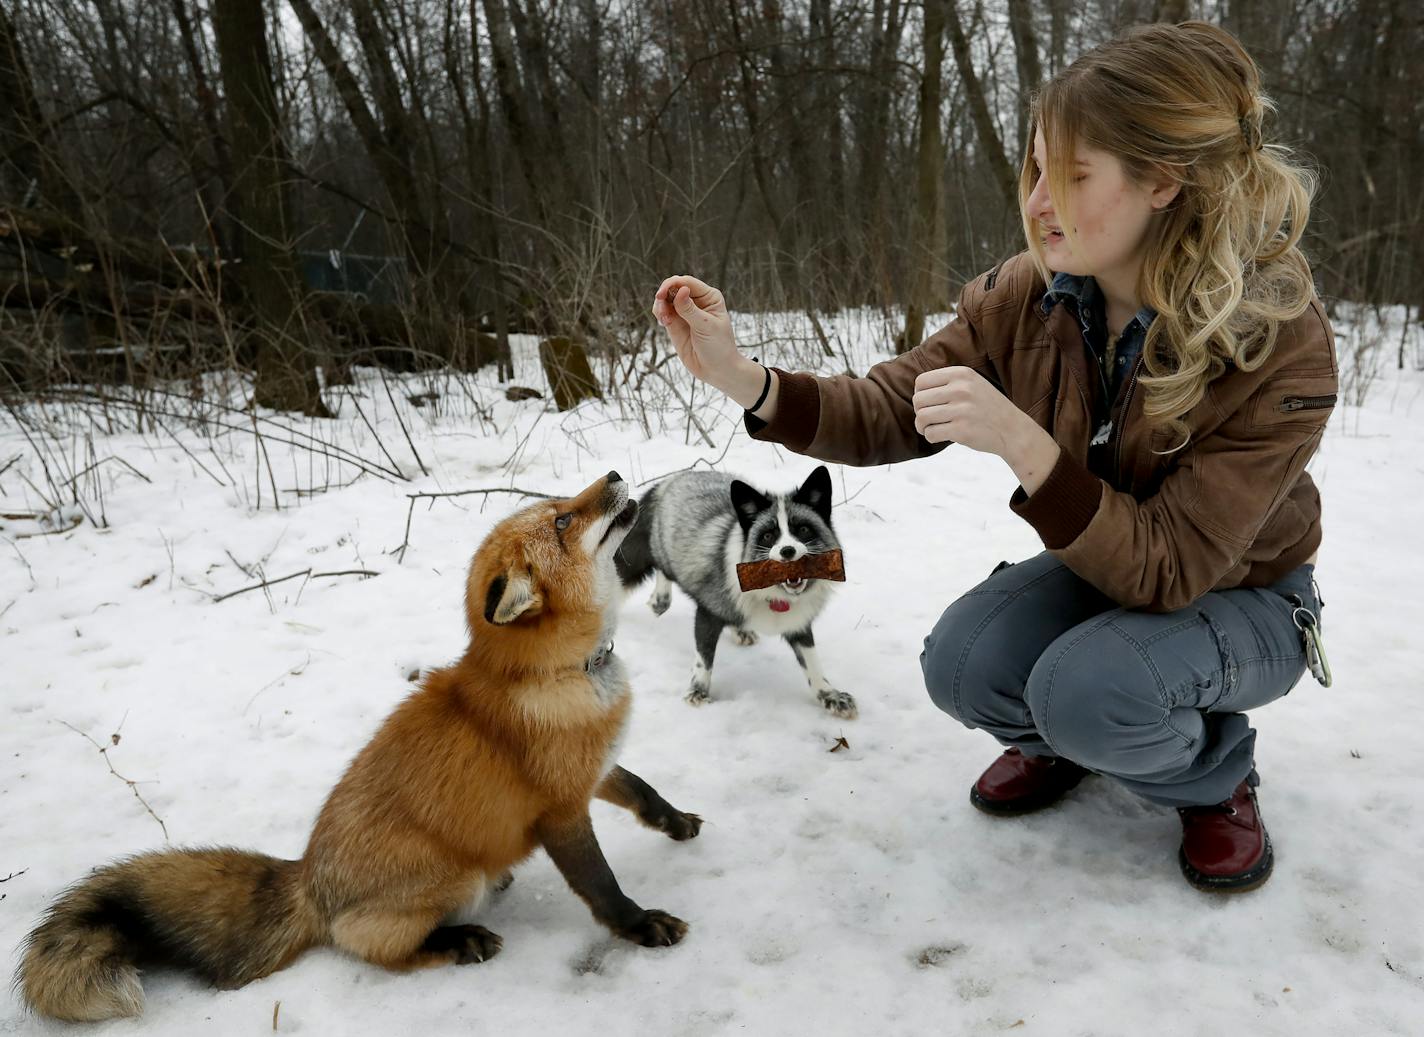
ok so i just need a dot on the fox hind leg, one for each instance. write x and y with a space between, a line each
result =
466 944
405 940
706 629
662 593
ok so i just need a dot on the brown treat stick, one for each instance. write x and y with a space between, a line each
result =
756 575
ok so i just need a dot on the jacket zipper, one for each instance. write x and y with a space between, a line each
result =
1122 416
1293 403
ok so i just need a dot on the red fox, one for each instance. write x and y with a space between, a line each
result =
492 757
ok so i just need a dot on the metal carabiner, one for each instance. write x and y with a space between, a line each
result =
1309 626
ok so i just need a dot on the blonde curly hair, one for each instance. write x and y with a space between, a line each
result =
1223 266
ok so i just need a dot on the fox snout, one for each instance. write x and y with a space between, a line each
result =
612 499
608 495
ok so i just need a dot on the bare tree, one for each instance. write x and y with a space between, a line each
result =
286 376
990 144
536 166
1030 71
925 230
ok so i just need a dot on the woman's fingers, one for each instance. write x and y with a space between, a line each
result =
682 302
703 295
927 417
663 311
670 287
937 434
939 396
699 290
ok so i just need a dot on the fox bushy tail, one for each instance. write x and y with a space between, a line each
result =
228 915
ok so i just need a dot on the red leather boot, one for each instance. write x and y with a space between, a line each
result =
1019 784
1225 848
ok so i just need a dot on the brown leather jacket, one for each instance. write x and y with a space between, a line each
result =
1234 508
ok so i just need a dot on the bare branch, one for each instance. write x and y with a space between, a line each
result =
133 785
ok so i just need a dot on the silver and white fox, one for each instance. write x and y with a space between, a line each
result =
694 527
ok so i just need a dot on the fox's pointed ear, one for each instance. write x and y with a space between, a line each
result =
510 596
815 492
747 503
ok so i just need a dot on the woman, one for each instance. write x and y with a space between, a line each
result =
1157 372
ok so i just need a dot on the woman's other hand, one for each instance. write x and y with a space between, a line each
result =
958 404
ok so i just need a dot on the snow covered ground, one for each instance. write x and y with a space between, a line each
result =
853 891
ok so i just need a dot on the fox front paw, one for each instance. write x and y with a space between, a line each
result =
678 825
654 929
698 695
838 703
746 638
659 603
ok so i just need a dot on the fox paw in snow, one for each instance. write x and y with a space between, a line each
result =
698 696
659 603
468 944
746 638
837 702
655 929
678 825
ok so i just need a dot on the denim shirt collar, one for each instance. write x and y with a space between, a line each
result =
1113 366
1087 300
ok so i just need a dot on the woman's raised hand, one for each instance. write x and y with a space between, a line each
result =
695 316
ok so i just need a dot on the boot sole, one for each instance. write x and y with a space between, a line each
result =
1023 805
1245 882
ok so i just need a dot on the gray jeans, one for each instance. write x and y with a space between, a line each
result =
1042 660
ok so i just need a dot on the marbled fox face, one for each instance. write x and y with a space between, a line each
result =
785 528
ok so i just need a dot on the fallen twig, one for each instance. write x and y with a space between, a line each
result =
283 579
23 561
133 785
85 471
399 552
295 671
78 521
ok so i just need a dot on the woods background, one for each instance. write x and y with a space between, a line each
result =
299 184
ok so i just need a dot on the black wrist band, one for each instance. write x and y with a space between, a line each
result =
766 388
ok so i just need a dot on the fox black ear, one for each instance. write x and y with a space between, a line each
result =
510 597
815 492
747 503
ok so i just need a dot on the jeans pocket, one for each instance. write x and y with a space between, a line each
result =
1227 674
1299 587
1253 678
